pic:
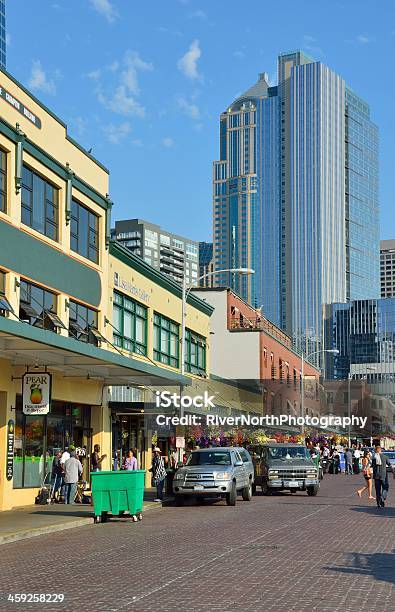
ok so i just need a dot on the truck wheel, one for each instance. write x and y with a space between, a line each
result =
247 492
179 500
265 489
312 491
231 496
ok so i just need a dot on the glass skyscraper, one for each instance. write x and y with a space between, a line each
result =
296 197
2 35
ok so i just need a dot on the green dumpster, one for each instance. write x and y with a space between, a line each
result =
117 492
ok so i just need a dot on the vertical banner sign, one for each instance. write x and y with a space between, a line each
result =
10 449
36 390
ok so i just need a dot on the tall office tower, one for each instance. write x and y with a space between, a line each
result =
296 197
172 254
387 268
206 264
2 35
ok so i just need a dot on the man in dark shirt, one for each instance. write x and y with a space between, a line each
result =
379 464
96 460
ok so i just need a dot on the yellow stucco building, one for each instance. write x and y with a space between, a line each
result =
73 304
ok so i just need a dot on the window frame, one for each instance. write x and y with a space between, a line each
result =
85 335
40 316
131 344
161 325
194 339
47 203
75 235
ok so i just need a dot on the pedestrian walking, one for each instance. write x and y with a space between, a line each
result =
367 472
380 475
57 475
348 461
158 473
130 462
72 473
96 459
63 459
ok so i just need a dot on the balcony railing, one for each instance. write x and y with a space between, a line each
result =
259 323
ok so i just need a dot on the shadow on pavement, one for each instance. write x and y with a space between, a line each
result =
384 512
379 566
76 513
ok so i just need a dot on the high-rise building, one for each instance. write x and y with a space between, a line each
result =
206 265
363 333
170 253
296 197
387 268
2 35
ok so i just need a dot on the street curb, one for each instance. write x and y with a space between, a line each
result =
32 533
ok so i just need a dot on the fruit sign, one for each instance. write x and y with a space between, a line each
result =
36 388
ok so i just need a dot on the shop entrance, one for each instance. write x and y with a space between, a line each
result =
128 434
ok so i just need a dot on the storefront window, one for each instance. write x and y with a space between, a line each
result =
3 181
84 236
2 282
39 204
37 305
166 340
195 353
81 320
130 324
38 438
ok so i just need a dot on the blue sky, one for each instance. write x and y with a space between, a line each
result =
143 83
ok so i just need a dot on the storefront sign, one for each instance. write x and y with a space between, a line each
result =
180 442
21 108
10 449
127 286
36 389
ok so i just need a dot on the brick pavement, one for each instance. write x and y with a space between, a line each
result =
328 553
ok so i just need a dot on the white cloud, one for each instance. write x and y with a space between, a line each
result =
239 54
168 142
364 40
188 63
199 14
123 100
188 108
94 74
137 142
106 9
8 39
116 133
38 80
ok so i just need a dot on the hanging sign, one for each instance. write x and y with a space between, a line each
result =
10 449
36 389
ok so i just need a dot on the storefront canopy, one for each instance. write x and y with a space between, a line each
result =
25 345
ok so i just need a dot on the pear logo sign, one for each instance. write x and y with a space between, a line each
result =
36 392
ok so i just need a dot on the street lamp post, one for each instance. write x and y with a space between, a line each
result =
185 293
304 358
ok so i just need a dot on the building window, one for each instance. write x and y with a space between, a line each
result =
166 341
39 437
37 306
2 282
39 204
81 321
195 353
3 181
84 232
130 324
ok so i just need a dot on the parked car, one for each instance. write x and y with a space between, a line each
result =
391 456
288 467
215 472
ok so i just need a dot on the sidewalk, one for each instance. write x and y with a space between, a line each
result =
32 521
